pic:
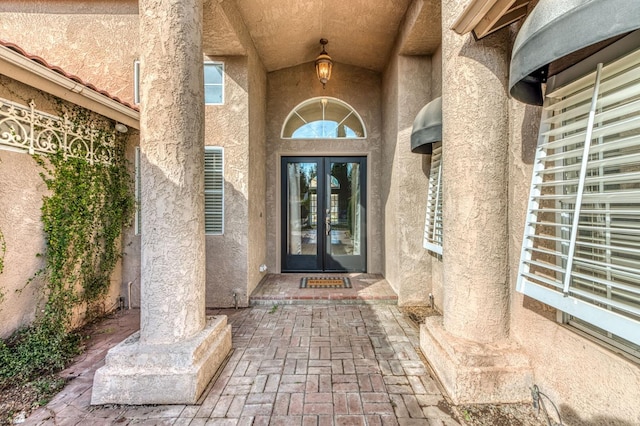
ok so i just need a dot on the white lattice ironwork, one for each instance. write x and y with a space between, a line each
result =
24 128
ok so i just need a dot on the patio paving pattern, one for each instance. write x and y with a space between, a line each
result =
285 289
290 365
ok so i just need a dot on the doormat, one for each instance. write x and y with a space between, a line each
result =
325 282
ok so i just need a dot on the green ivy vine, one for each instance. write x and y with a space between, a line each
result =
83 216
3 250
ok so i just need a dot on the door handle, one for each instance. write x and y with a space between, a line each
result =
327 223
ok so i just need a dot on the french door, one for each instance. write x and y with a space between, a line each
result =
323 214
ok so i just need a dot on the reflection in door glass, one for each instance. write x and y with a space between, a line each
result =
302 226
344 201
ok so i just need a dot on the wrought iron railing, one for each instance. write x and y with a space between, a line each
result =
24 128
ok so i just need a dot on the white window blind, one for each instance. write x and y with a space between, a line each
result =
433 222
581 246
213 190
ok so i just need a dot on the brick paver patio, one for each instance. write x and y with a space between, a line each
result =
290 365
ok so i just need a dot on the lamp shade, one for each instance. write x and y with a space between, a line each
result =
324 64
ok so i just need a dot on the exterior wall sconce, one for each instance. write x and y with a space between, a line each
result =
323 64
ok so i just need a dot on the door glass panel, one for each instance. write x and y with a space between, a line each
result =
302 197
344 209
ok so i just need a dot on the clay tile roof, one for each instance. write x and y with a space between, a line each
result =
60 71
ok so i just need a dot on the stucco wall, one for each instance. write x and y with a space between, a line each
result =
359 88
96 40
257 172
406 89
226 126
436 261
21 195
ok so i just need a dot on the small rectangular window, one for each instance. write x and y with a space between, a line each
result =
213 83
433 222
213 190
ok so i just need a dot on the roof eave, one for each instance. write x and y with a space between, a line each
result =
27 71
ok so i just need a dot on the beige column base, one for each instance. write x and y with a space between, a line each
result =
176 373
474 372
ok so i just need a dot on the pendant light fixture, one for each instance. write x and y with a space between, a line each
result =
324 64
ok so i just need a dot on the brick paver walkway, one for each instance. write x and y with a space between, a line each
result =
296 365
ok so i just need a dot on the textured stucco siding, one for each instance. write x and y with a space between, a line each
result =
257 230
97 41
227 126
360 89
407 82
437 289
389 184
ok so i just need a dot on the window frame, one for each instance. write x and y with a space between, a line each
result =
136 82
294 113
221 84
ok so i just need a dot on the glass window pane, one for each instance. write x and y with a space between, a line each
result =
323 118
212 94
213 74
345 209
302 224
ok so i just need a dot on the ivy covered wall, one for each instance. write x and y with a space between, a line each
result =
61 220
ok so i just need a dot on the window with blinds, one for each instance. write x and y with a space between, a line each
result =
213 190
433 222
581 247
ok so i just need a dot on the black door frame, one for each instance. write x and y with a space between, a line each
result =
323 261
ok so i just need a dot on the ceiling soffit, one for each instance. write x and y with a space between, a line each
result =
219 38
423 28
287 32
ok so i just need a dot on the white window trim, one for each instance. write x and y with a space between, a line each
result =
433 221
216 84
219 191
294 113
559 292
136 82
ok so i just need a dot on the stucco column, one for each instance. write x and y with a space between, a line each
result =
474 175
469 347
172 166
178 349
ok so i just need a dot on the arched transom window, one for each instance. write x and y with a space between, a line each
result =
323 118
